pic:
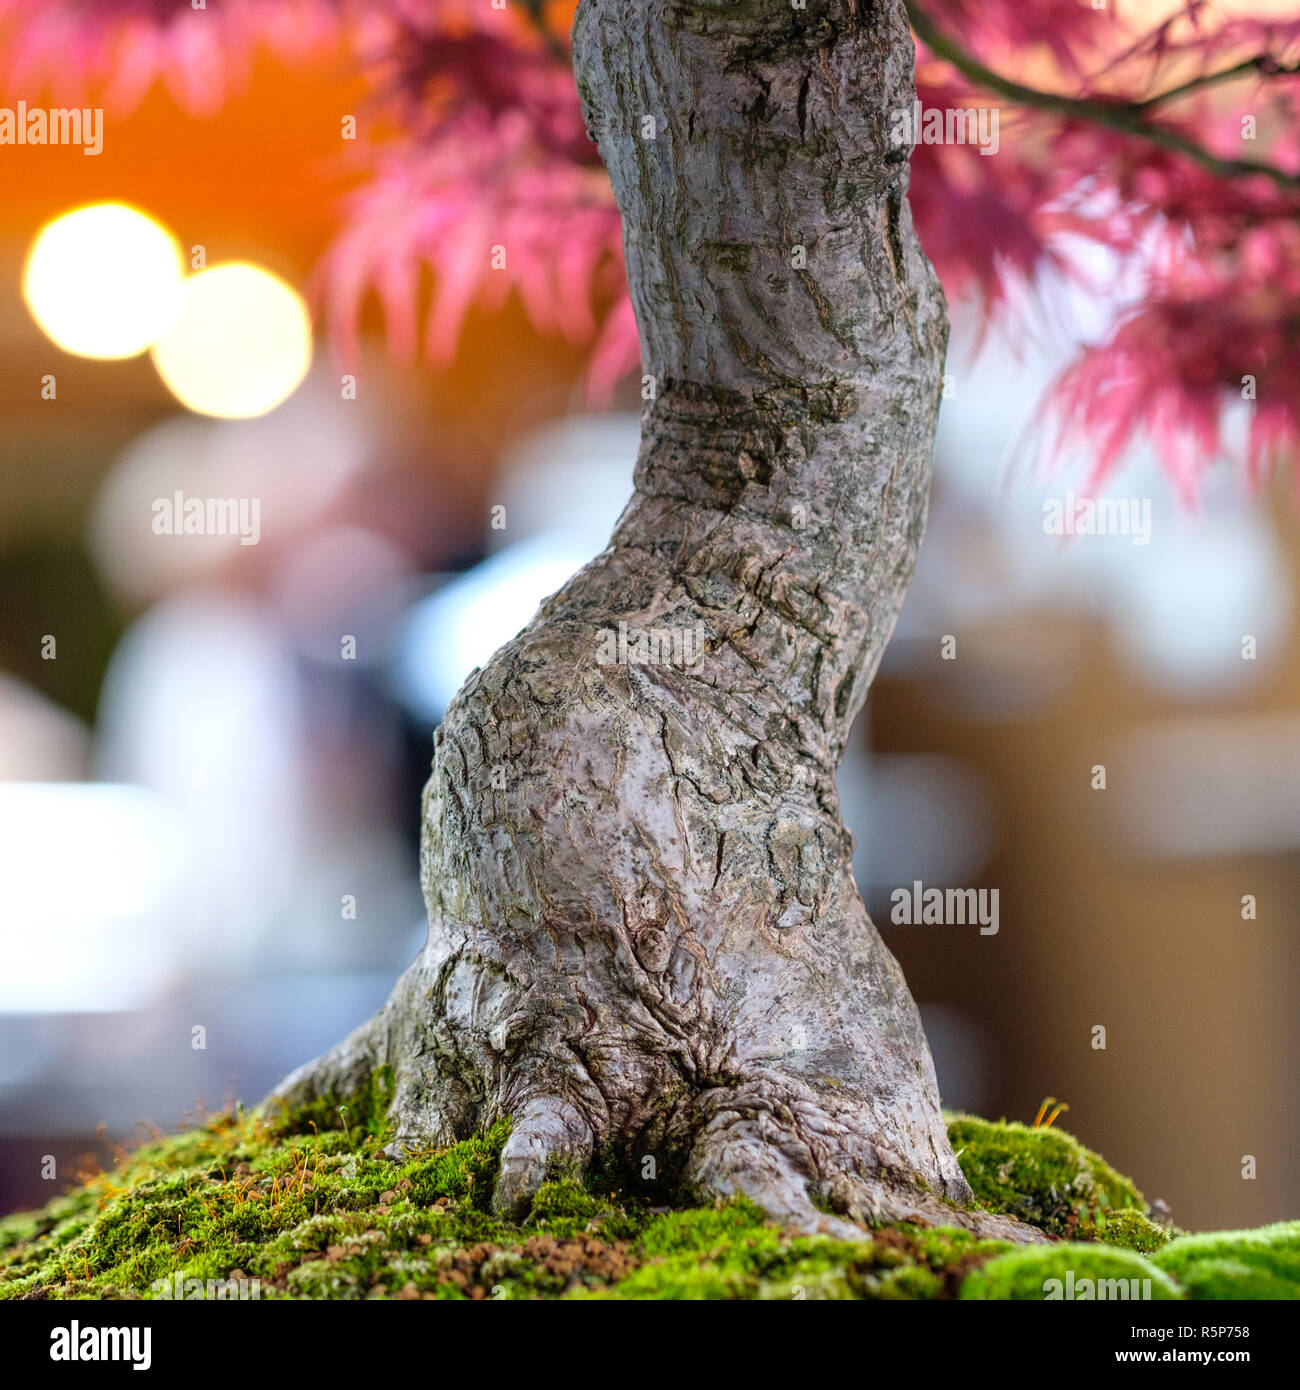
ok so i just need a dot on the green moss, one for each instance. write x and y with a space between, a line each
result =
259 1197
566 1209
315 1212
1261 1264
731 1252
1129 1230
1070 1271
309 1206
360 1115
566 1200
1043 1176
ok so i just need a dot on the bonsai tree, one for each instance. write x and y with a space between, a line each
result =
644 930
645 936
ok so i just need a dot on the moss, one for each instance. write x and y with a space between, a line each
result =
1129 1230
1043 1176
309 1206
261 1197
360 1115
1069 1271
567 1200
731 1252
567 1209
1261 1264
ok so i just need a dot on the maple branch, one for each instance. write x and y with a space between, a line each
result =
1128 117
1262 63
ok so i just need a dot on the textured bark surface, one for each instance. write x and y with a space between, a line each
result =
644 930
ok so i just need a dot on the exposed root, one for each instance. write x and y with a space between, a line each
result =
798 1163
548 1137
777 1172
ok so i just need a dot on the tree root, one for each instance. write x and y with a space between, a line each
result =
802 1158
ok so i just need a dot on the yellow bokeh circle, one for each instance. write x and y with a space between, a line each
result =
104 281
241 345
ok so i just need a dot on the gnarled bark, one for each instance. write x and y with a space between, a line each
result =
644 929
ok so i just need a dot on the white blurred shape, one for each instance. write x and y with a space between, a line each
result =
89 870
563 490
1177 606
39 742
1180 622
332 577
458 628
572 479
294 462
200 704
1199 787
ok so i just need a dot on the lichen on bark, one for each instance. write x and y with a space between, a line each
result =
644 934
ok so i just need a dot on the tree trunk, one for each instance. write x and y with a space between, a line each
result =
644 934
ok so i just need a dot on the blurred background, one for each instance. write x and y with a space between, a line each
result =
212 752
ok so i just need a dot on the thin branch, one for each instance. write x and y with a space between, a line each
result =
1262 63
1128 117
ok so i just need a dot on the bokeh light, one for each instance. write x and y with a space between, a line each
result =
104 281
241 345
